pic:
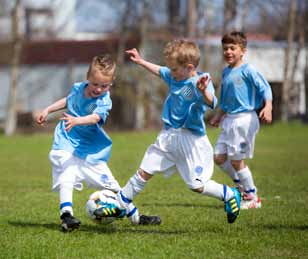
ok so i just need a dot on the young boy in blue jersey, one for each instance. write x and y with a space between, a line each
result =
81 148
244 90
182 145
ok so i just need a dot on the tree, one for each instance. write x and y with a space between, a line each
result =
287 71
11 119
191 18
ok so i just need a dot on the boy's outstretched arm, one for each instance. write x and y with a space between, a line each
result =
41 118
266 112
135 57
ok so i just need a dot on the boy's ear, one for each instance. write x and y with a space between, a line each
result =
191 67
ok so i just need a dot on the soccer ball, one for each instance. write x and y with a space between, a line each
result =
98 202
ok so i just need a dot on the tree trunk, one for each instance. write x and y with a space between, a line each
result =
141 83
229 12
191 19
306 63
11 119
174 16
287 74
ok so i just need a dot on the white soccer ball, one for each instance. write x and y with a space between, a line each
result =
97 202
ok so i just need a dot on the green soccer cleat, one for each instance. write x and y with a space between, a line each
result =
109 211
233 206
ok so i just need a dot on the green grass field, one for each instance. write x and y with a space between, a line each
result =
193 226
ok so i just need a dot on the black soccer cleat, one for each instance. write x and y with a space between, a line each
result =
68 222
149 220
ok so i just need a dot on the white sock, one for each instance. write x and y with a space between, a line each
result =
133 214
66 198
216 190
229 170
247 181
134 186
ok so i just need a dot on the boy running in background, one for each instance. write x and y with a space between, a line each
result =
244 90
182 145
81 148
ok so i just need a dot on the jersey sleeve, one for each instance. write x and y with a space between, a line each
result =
260 83
74 89
103 108
165 74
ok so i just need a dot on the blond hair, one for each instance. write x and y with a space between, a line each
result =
104 64
183 52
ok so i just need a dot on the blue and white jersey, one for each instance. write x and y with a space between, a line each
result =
185 106
243 89
88 142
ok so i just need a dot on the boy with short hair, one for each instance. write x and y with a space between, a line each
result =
81 148
244 90
182 144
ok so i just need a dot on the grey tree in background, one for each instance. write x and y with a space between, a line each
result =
11 119
287 71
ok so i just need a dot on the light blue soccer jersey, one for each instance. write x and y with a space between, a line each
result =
243 89
88 142
185 106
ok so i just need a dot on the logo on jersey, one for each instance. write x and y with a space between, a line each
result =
187 92
91 107
238 81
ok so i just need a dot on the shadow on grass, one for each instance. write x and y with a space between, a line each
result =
183 205
35 225
101 229
286 227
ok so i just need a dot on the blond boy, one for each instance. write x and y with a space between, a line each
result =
182 145
81 148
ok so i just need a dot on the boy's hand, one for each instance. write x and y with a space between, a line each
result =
69 121
266 114
41 118
202 83
134 55
215 120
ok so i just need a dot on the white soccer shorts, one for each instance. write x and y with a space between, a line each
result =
180 150
237 138
67 168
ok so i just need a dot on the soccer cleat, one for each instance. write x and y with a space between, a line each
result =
250 202
109 211
232 206
149 220
68 222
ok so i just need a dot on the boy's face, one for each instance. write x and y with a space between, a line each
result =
233 54
98 84
179 72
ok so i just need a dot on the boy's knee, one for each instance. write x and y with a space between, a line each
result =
238 164
199 190
220 159
144 175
